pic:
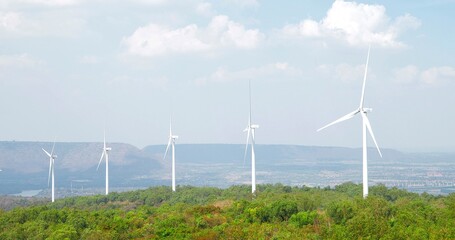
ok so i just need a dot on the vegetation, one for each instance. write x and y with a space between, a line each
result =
276 212
10 202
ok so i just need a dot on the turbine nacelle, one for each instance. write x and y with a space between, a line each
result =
367 110
175 137
51 155
253 126
107 149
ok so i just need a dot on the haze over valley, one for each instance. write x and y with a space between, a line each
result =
25 167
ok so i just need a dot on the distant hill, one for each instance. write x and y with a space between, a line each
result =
25 166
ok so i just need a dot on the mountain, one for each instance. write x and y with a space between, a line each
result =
25 166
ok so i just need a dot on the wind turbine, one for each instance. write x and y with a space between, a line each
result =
105 154
52 158
365 125
250 129
172 139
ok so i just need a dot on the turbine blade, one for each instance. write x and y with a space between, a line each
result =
367 123
365 79
246 146
101 159
53 146
104 139
167 148
48 154
249 89
170 126
341 119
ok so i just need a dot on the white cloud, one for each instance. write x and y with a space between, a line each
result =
48 3
266 71
244 3
436 75
10 21
282 66
155 40
349 73
307 28
204 8
90 59
18 61
126 81
229 33
357 24
406 75
152 2
405 22
52 2
17 68
431 76
13 24
344 72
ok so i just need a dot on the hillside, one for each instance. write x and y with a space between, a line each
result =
276 212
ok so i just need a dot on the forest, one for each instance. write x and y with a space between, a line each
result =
275 212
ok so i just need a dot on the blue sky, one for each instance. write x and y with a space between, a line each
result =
69 68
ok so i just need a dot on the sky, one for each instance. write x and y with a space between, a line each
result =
71 68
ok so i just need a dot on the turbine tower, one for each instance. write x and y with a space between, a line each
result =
365 125
250 129
52 158
105 154
171 141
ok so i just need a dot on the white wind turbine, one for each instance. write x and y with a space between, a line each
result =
171 141
105 154
250 129
365 125
52 158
